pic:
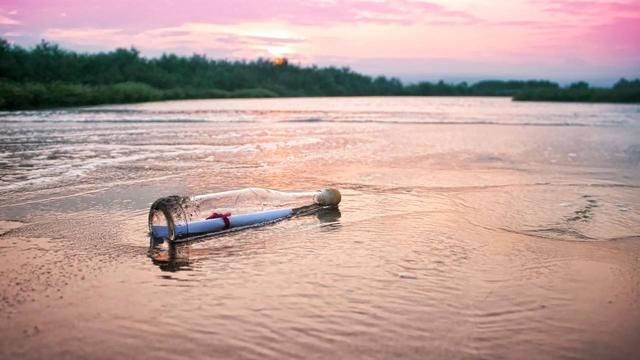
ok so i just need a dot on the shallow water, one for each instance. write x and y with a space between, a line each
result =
469 228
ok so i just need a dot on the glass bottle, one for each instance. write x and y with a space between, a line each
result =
180 217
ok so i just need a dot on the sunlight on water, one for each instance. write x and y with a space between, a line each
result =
469 228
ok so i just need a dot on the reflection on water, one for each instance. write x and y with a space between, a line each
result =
469 228
329 216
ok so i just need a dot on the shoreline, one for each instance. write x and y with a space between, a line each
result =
264 94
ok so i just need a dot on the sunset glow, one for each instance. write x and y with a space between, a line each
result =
565 39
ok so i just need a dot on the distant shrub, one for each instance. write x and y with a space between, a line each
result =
623 91
133 92
253 93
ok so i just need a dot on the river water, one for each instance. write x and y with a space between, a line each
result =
469 228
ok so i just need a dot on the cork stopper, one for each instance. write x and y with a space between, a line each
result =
328 197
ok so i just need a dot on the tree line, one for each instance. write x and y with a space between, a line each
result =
50 76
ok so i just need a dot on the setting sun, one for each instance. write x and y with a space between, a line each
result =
280 61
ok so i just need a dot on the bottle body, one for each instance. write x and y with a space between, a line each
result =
175 217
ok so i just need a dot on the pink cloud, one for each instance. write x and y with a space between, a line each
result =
227 41
618 38
604 8
5 20
603 30
137 15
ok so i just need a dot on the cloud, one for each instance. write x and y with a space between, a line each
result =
617 38
5 20
141 15
403 11
85 36
593 8
246 40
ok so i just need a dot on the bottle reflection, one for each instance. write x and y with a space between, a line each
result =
169 257
329 217
172 257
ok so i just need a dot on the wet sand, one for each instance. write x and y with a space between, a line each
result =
469 228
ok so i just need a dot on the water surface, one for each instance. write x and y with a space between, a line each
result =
469 228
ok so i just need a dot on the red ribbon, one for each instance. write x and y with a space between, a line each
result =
224 217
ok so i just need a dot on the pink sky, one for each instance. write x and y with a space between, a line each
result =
413 39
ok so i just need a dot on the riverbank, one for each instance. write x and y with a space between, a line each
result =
34 96
624 91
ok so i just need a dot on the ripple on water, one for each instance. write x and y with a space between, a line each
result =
443 245
579 213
